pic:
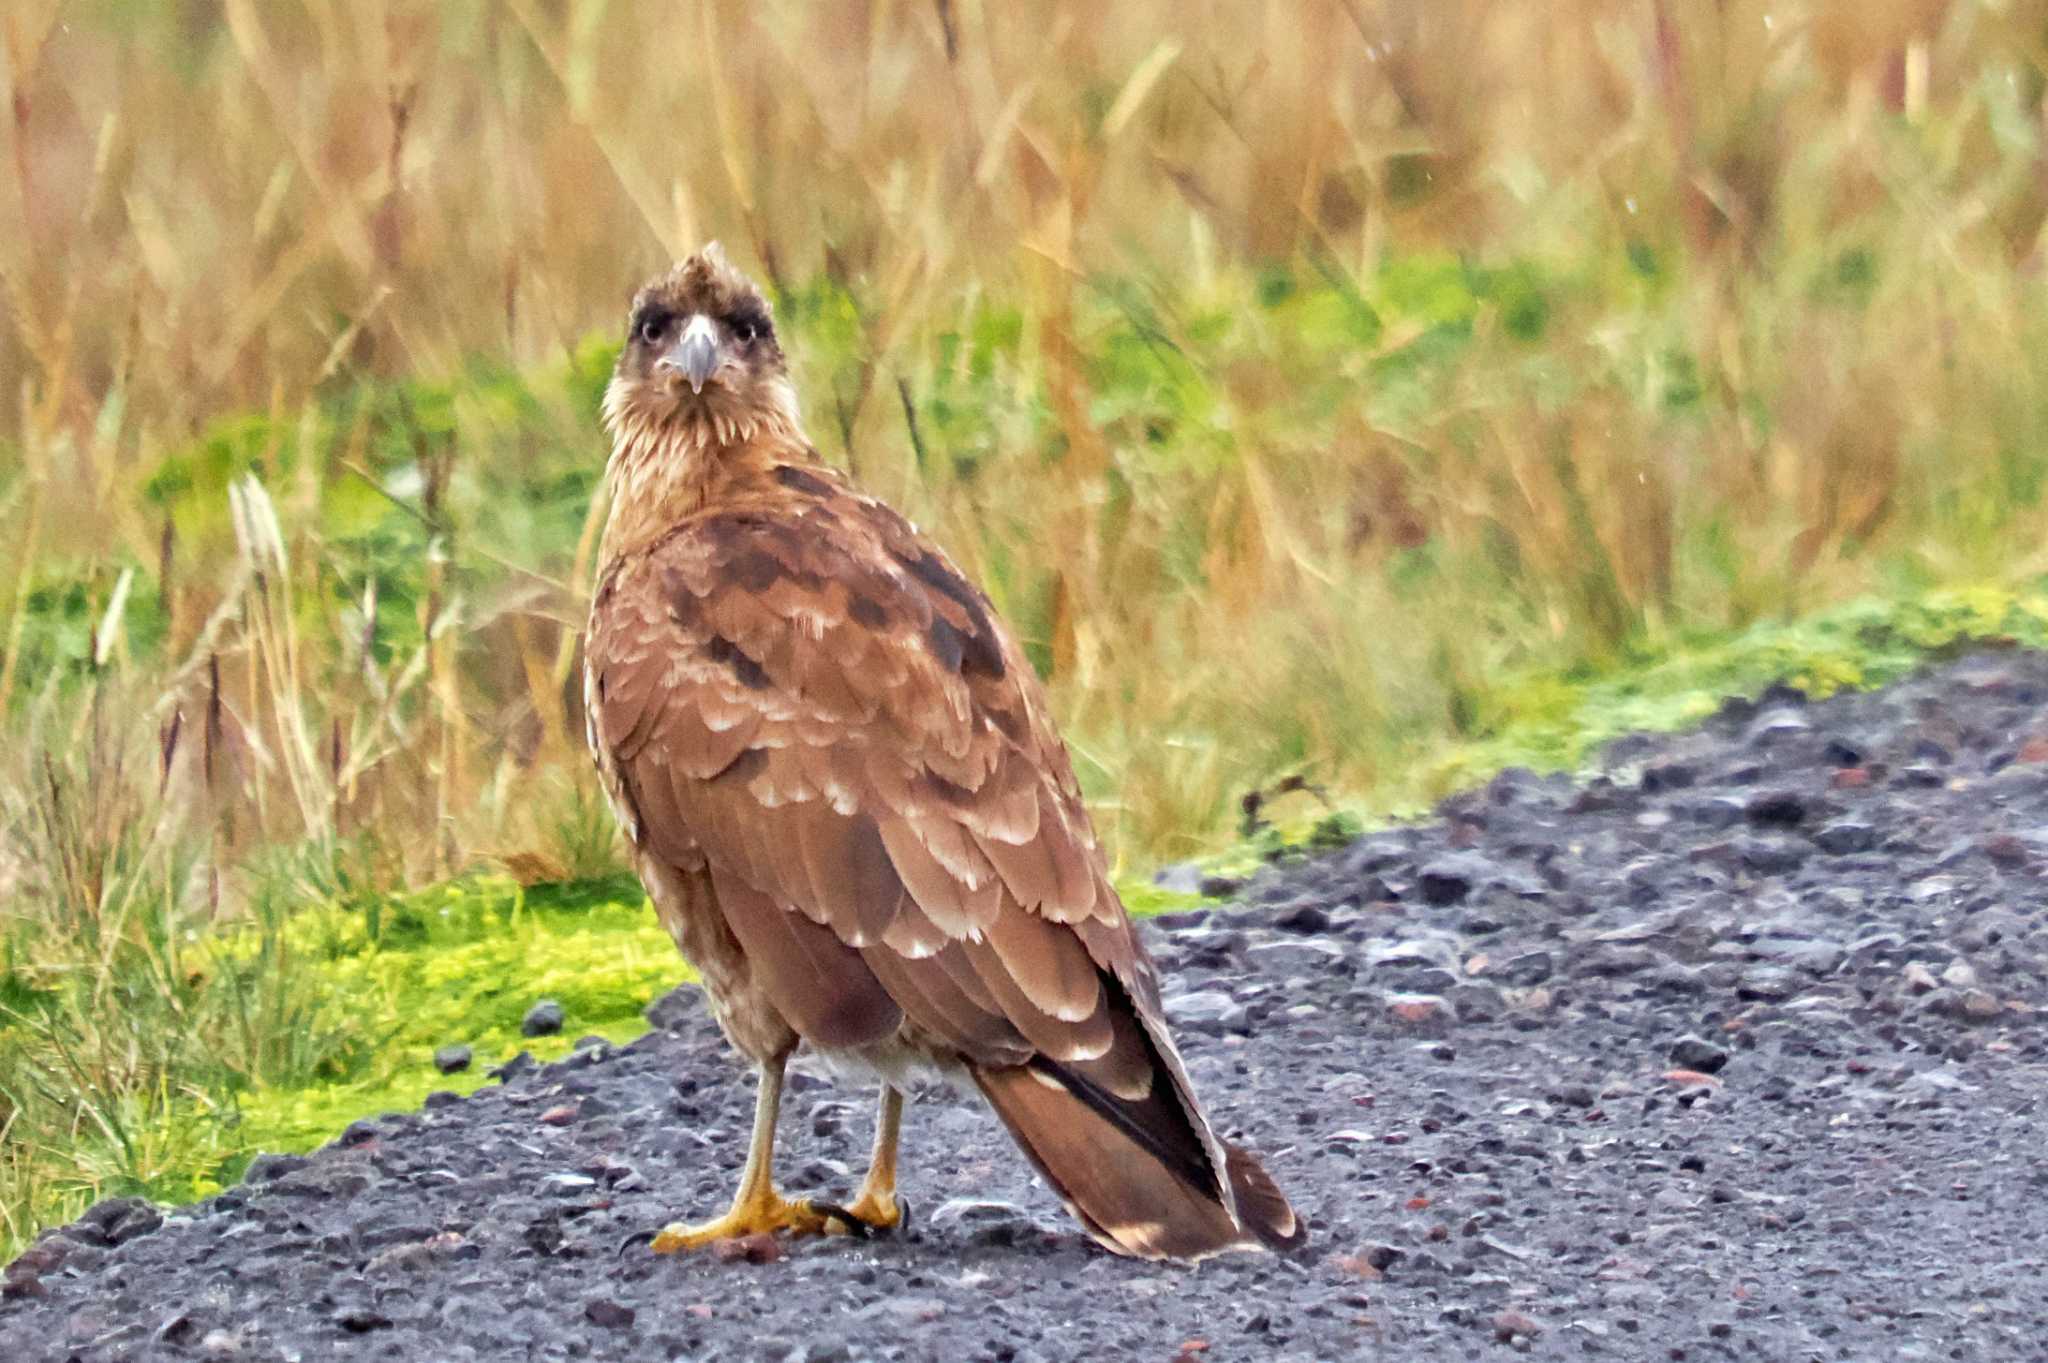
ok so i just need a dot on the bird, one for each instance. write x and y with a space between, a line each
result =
844 792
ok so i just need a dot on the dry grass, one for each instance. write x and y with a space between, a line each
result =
1298 376
1773 342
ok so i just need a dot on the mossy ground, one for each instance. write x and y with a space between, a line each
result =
461 963
386 981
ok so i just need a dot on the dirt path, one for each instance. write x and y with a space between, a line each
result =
1736 1052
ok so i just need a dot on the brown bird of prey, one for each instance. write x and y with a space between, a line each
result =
846 797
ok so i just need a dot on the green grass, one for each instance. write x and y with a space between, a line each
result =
386 980
461 963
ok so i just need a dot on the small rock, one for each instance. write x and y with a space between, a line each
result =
1770 855
19 1286
360 1320
1812 956
1447 880
985 1222
1919 978
1475 1002
1529 968
1612 959
607 1314
518 1067
358 1134
1928 751
1840 752
1676 981
1210 1009
1775 726
1509 1326
821 1351
1670 774
1303 918
675 1010
1845 836
752 1249
1715 811
2005 849
1972 1005
1284 957
452 1059
1419 1008
118 1220
1597 796
543 1019
1689 1079
270 1168
1697 1053
1768 983
970 1211
562 1114
1512 786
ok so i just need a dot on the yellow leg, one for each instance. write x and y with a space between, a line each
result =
876 1202
756 1207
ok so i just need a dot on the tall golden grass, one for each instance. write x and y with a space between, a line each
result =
1788 315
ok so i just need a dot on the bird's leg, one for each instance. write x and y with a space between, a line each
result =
757 1208
876 1203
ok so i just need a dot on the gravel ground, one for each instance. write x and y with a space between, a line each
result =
1732 1052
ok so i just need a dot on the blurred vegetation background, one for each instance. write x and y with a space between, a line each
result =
1341 394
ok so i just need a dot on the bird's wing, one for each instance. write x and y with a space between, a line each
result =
807 696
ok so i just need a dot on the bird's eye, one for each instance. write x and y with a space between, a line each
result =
744 331
651 328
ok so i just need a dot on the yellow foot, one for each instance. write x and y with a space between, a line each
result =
879 1211
766 1215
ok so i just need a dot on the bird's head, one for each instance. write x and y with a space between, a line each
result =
701 360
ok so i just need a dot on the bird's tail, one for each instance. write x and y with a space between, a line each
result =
1139 1171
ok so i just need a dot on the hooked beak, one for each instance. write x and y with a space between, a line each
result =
695 353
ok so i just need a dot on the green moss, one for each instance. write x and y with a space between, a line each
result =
459 963
462 963
1144 898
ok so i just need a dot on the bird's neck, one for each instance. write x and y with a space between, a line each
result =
660 475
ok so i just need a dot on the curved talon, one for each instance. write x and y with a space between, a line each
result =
638 1237
849 1222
